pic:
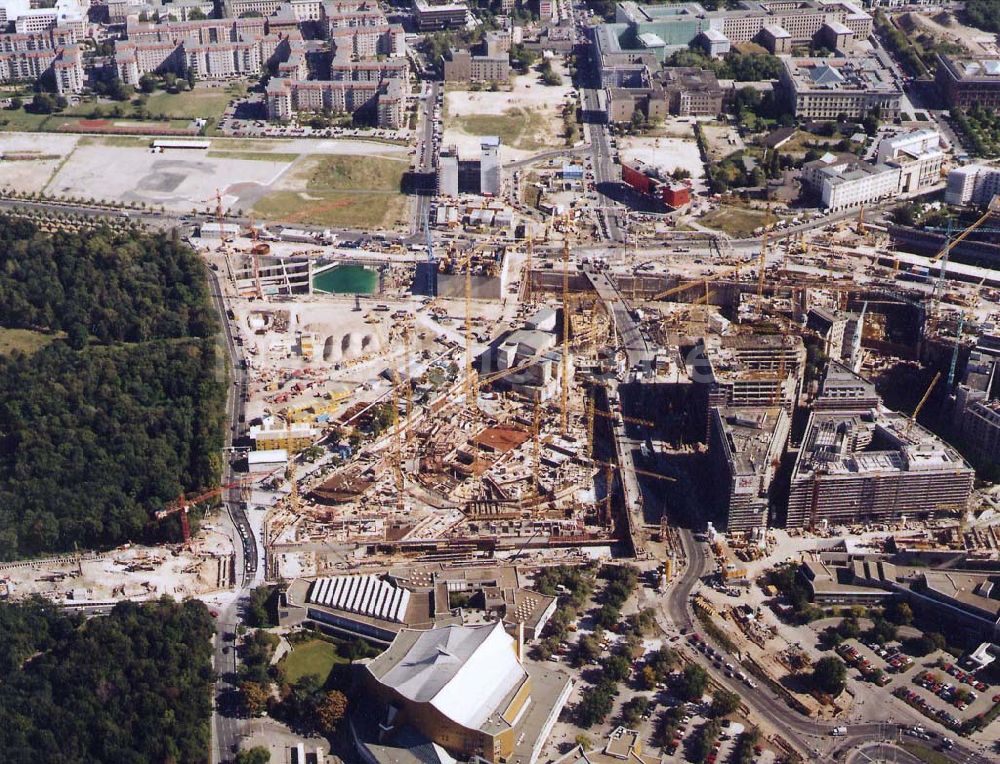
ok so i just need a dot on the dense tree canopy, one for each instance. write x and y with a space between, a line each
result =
99 431
984 14
134 686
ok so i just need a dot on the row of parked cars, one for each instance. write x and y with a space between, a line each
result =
965 677
945 717
946 691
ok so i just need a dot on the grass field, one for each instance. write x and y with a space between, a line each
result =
253 156
312 657
517 128
23 340
926 754
736 221
208 103
347 191
22 121
118 141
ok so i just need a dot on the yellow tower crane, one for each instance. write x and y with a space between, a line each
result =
927 395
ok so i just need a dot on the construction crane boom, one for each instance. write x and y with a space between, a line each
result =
565 340
927 395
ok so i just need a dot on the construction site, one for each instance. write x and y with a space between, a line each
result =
514 399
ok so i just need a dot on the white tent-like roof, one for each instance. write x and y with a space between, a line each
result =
463 671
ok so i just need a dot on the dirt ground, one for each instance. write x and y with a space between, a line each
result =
527 117
668 154
722 141
944 26
241 170
134 572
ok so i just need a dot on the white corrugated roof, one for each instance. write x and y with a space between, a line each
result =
364 595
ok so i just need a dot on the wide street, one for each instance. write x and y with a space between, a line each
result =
227 724
811 738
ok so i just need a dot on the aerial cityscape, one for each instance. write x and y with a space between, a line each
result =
499 381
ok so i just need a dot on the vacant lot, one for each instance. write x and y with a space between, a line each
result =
739 222
527 118
339 191
311 657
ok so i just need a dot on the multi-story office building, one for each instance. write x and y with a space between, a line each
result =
918 155
965 82
490 175
752 370
691 92
746 446
842 330
448 171
856 184
434 15
29 17
830 88
873 466
803 20
972 184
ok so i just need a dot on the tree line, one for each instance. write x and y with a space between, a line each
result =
134 686
124 410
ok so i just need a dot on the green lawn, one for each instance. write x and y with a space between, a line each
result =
736 221
926 754
204 102
311 657
22 121
517 128
24 340
341 191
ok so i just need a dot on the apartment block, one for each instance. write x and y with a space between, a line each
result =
965 82
873 466
463 66
287 97
829 88
972 184
212 48
26 57
746 446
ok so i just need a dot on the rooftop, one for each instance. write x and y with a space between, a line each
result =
465 672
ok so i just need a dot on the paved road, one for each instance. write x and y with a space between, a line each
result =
426 157
227 725
638 350
605 172
807 735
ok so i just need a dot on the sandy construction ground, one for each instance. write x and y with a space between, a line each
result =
124 169
527 118
19 171
944 26
179 180
668 154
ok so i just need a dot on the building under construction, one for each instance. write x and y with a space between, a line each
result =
745 447
874 466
